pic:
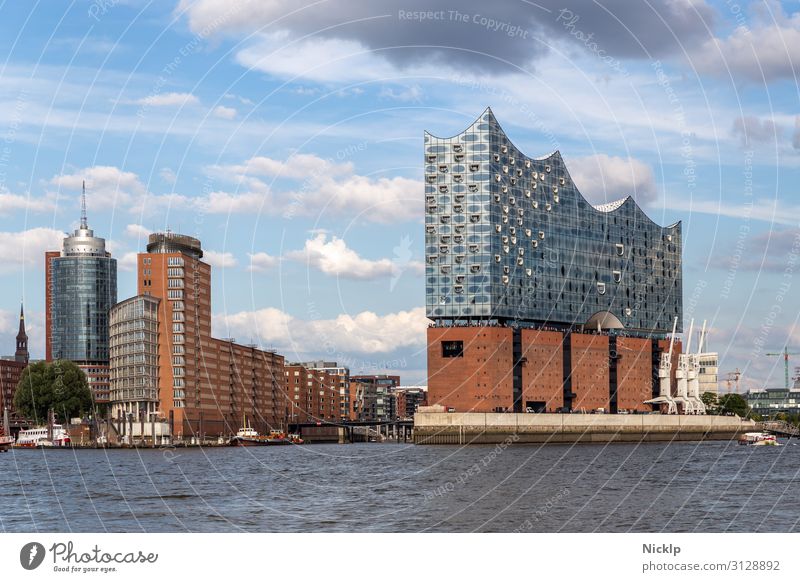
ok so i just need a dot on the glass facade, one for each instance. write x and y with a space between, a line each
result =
771 401
134 357
510 239
84 290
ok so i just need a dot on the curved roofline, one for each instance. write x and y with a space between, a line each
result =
617 204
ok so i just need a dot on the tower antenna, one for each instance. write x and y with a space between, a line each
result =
84 221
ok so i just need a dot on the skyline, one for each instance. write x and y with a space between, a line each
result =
314 224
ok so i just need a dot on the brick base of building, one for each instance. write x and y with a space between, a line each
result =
501 369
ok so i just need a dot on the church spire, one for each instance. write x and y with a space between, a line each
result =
22 355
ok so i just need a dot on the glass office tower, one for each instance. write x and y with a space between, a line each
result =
82 290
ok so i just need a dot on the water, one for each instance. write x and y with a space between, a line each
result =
680 487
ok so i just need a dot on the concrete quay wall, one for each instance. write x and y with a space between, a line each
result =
486 428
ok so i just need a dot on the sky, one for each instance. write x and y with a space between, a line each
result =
287 136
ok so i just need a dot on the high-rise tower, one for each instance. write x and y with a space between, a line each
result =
81 289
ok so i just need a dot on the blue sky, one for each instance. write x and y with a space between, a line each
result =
287 136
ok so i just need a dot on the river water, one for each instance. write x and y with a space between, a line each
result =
678 487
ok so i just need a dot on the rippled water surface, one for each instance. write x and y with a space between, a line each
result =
405 488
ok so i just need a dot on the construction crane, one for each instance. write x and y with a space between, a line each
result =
785 353
733 378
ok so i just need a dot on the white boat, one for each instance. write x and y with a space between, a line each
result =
758 439
38 437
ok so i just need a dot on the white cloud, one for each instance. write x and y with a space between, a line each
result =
772 211
168 100
262 262
26 249
13 202
137 231
752 130
326 186
411 94
602 178
326 60
336 259
219 260
364 332
106 187
167 175
242 100
127 262
796 134
765 52
224 112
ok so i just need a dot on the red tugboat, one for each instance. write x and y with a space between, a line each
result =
249 437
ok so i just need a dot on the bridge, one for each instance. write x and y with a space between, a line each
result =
354 431
781 428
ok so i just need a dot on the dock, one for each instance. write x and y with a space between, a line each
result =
440 428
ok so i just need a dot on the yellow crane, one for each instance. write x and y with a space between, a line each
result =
785 353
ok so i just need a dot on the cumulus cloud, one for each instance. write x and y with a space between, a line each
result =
751 130
224 112
262 262
310 185
220 260
137 231
365 332
26 249
106 186
362 39
10 202
325 187
127 262
334 257
168 100
602 178
765 51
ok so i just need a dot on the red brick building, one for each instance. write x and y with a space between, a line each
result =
472 369
312 395
206 386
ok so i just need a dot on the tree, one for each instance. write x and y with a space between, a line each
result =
59 386
733 403
711 402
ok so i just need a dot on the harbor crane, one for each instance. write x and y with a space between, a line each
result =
664 378
785 353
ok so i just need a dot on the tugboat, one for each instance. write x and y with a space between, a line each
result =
759 439
247 436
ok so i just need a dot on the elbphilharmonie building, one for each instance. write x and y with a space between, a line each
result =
513 250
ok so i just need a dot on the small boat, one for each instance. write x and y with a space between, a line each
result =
39 437
5 442
249 437
759 439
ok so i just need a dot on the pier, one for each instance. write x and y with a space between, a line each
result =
433 428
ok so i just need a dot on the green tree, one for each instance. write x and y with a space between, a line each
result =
711 402
59 386
734 403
